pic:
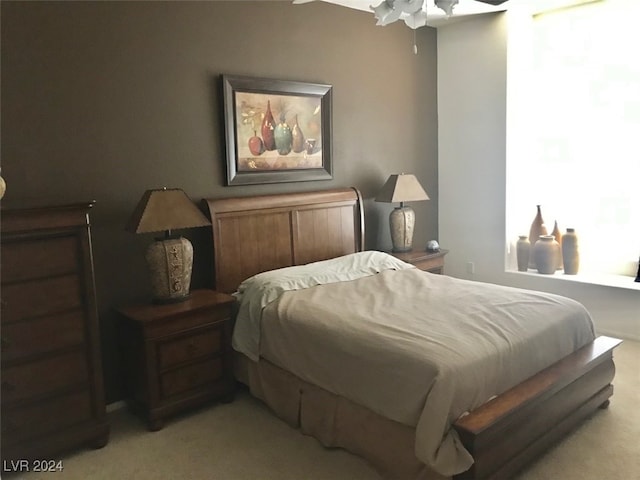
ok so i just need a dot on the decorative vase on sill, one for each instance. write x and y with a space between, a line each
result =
537 228
570 252
558 236
523 252
545 254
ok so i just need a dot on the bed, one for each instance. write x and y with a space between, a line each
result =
494 439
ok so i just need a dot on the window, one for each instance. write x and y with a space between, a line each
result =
573 129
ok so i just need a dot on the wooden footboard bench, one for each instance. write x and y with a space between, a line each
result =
514 428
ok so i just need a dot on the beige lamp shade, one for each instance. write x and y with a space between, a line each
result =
402 188
165 209
170 259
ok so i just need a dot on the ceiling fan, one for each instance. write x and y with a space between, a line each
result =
413 12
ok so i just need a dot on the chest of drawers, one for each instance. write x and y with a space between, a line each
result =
52 388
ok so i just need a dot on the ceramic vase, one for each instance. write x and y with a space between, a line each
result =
570 252
546 252
523 252
267 129
558 236
537 228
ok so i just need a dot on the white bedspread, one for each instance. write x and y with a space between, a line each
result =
258 291
419 348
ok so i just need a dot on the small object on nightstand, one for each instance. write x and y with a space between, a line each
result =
432 262
433 246
177 356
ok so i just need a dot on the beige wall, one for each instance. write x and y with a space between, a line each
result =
103 100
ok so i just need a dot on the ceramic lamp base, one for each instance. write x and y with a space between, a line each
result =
170 264
401 224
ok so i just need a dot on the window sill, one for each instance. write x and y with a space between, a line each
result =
603 279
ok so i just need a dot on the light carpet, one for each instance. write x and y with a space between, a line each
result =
243 440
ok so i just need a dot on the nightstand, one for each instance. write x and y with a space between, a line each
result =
177 356
428 261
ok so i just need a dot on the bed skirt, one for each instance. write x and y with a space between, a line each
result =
335 421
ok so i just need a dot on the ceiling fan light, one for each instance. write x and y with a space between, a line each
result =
446 6
408 6
385 13
416 20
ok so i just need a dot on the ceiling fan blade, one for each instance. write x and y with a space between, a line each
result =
492 2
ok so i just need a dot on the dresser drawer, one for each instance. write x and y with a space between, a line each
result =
25 422
21 382
39 297
190 377
189 347
41 335
39 258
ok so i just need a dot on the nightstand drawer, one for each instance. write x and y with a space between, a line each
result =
175 325
428 261
22 382
190 377
189 347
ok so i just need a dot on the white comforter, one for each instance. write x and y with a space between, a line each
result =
418 348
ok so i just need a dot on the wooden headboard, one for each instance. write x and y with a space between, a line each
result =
256 234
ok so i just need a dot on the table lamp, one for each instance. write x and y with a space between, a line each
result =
170 259
402 188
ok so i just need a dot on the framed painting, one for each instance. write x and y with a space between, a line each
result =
276 130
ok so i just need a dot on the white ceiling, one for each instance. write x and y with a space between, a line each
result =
464 8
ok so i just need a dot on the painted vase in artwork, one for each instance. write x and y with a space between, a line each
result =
256 145
570 252
268 128
283 137
523 251
558 236
537 228
546 252
298 143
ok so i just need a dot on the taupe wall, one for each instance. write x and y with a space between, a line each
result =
103 100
